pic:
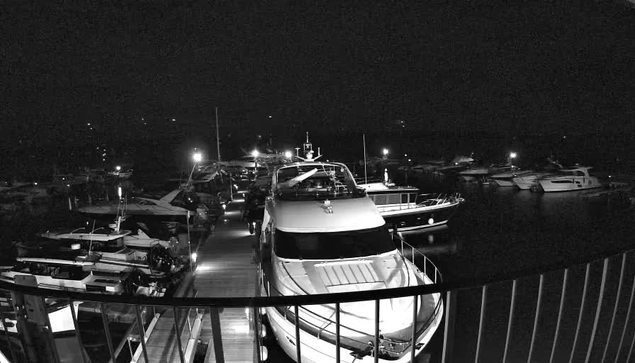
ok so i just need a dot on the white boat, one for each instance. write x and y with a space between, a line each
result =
177 204
577 178
506 178
529 181
408 209
101 234
106 237
321 234
83 274
62 274
481 173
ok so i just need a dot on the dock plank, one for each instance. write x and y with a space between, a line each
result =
226 268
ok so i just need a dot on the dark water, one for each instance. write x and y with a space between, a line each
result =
501 231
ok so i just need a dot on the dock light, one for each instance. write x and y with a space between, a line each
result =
197 157
384 151
118 168
288 154
512 155
255 153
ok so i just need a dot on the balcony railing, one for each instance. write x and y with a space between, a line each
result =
576 313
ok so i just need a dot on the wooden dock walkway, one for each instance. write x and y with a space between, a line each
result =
225 268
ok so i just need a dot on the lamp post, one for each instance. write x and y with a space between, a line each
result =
512 156
196 157
255 154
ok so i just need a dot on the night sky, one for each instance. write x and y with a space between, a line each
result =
496 66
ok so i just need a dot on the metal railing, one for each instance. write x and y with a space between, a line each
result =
577 313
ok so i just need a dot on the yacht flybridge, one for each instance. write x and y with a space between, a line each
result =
321 234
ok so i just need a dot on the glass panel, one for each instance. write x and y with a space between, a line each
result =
394 199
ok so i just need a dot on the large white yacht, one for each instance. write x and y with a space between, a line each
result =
577 178
321 234
529 181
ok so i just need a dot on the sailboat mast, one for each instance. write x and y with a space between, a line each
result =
217 137
365 173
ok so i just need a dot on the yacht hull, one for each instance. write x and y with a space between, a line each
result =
419 217
569 184
317 350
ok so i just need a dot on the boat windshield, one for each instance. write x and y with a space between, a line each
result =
316 181
348 244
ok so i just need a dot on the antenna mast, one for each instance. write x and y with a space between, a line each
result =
217 138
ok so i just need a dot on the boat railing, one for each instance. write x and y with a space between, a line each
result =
432 199
426 266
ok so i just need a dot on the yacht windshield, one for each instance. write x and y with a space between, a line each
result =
348 244
316 181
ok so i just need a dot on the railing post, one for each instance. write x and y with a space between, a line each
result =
617 302
177 330
337 332
49 329
217 338
6 335
481 322
565 278
510 319
376 347
142 333
104 319
415 300
628 316
598 310
77 331
536 317
298 352
582 303
450 320
257 326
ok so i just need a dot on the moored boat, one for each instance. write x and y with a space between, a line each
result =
321 234
409 209
577 178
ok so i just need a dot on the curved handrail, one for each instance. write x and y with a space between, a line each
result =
255 302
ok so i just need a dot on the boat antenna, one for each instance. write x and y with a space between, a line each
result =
90 245
308 151
365 173
217 137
